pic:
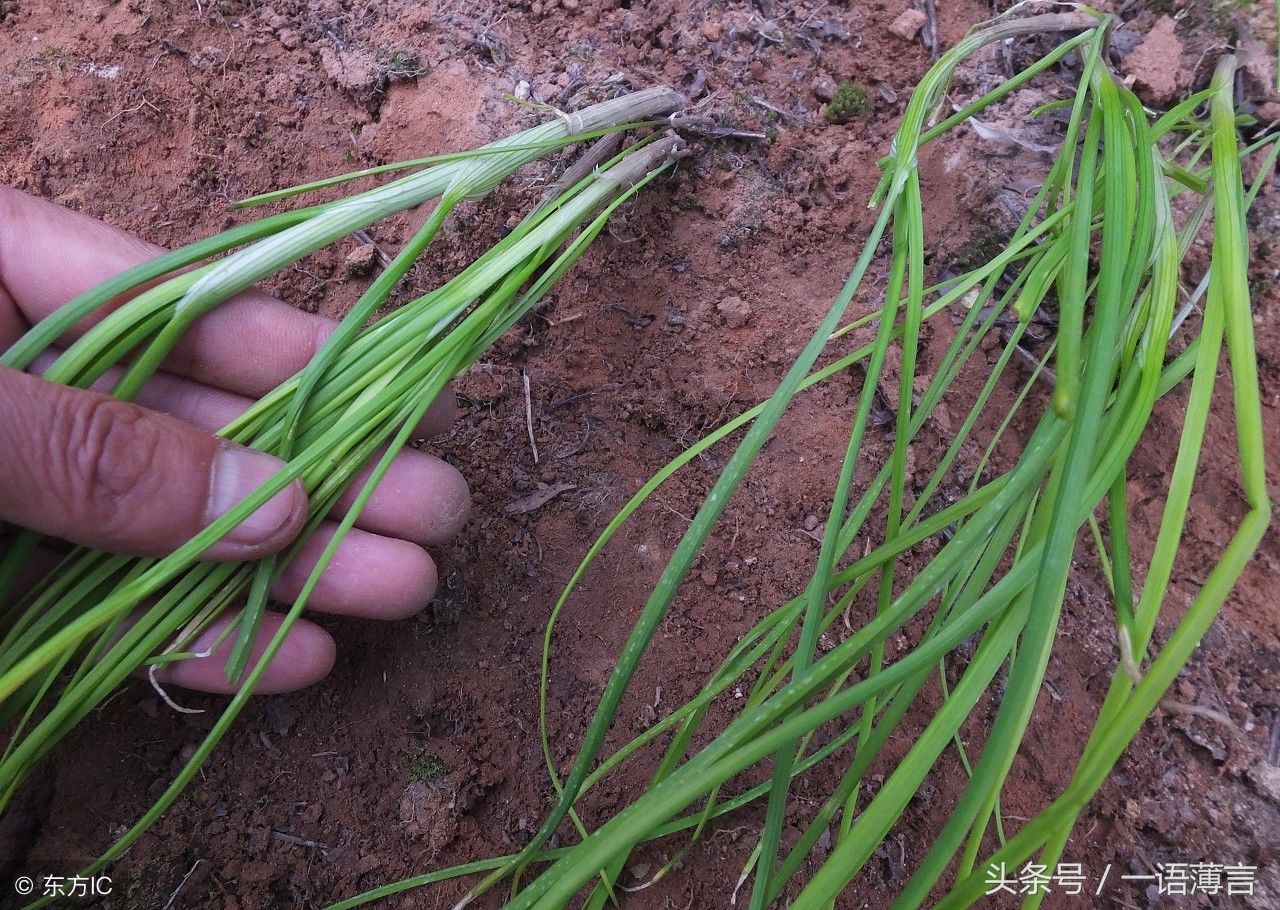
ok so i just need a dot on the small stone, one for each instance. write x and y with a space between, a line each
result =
735 311
362 259
279 715
908 24
290 39
709 577
811 522
823 87
1156 62
1266 780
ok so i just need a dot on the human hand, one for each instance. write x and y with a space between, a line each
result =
143 478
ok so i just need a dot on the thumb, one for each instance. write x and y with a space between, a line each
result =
112 475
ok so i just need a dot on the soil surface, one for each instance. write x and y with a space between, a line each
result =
421 750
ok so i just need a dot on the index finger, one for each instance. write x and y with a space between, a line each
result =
49 254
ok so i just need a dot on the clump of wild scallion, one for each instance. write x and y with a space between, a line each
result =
1100 239
100 617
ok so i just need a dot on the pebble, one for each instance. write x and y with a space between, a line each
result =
823 87
735 310
908 24
362 259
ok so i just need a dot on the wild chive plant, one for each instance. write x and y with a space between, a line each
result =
100 617
1101 246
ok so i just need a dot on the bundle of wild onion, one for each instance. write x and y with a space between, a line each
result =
1101 245
100 617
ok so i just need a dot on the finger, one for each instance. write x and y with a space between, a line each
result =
249 345
206 407
441 414
305 657
213 408
370 575
48 255
421 498
113 475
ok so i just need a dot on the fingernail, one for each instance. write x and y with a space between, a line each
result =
238 472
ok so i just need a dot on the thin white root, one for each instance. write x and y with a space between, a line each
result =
1173 706
155 684
657 877
1178 707
182 884
528 415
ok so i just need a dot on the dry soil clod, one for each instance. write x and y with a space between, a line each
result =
1155 64
908 24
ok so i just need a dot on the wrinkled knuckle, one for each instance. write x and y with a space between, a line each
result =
105 451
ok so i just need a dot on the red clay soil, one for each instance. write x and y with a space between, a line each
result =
421 751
